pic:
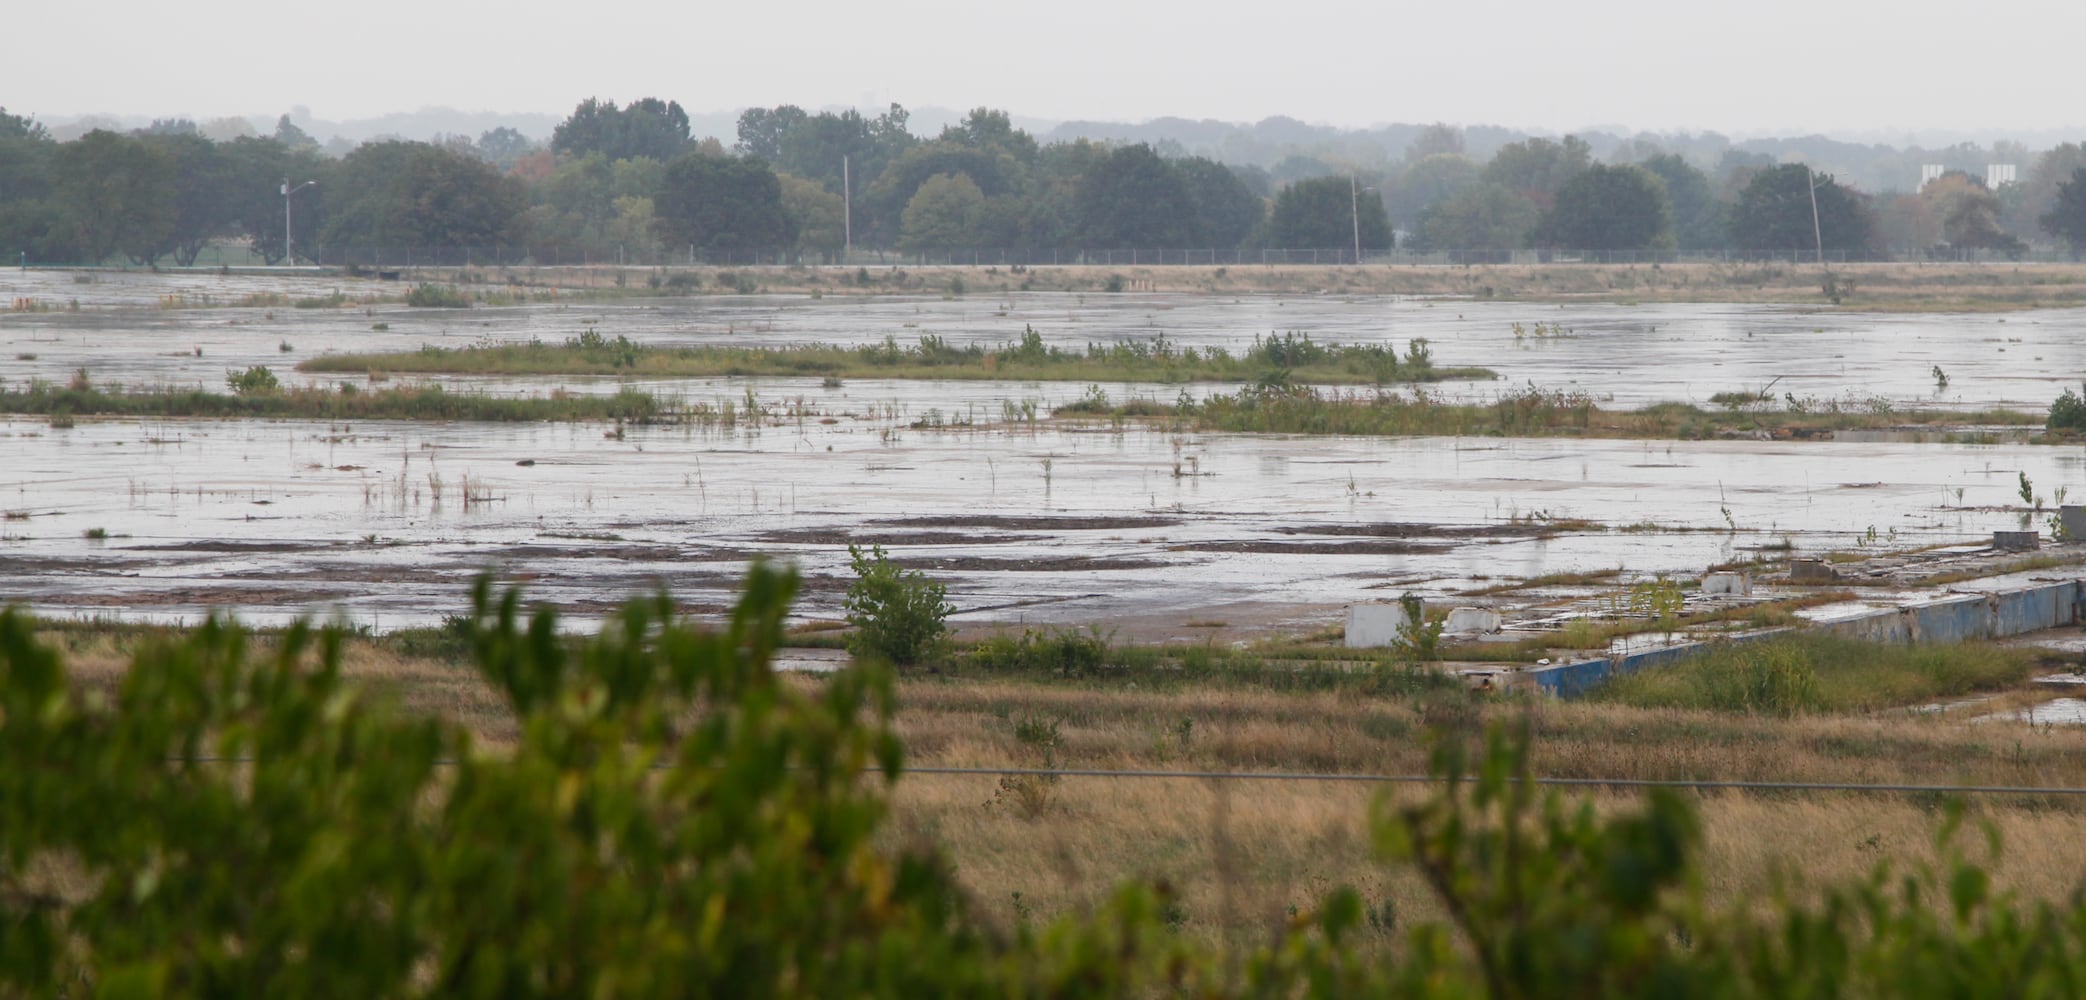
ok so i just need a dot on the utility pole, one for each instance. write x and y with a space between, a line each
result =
847 211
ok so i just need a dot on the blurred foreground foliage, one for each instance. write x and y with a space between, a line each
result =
673 819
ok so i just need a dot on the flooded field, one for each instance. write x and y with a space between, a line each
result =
1155 532
1626 355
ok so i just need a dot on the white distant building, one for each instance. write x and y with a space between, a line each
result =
1997 174
1929 173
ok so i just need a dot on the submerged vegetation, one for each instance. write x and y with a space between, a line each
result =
1526 412
1288 357
257 394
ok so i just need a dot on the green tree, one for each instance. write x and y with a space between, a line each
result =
879 206
2066 219
22 127
1610 208
1321 213
1438 139
817 214
413 194
648 127
31 226
1774 213
592 206
293 138
1227 212
503 147
1483 216
1536 169
1968 212
1698 217
761 129
992 131
254 169
116 194
815 147
1132 198
1424 184
204 197
942 215
722 203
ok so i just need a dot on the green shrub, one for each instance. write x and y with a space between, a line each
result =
899 615
255 381
2067 413
1064 652
1419 634
428 295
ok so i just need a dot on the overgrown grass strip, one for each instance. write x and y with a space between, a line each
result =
1805 674
1526 412
414 402
1285 358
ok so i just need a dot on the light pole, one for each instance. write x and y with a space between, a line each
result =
1354 208
1817 231
289 256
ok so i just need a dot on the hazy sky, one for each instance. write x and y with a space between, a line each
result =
1759 65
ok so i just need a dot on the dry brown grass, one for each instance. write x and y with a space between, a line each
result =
1886 286
1240 853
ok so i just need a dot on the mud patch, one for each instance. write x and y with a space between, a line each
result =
207 597
890 539
1404 529
218 545
1018 523
1058 564
1272 548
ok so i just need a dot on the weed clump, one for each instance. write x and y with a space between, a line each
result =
255 381
428 295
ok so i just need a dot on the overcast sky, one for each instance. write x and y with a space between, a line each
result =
1781 66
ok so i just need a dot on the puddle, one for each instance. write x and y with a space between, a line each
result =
2055 712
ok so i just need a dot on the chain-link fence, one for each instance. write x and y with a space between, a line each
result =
392 261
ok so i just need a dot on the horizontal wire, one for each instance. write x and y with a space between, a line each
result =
1420 779
1707 784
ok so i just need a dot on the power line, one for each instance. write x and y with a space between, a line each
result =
1699 784
1711 784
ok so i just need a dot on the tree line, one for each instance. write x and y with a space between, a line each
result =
633 179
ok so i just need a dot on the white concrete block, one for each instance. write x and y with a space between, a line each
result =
1468 620
1727 584
1371 626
